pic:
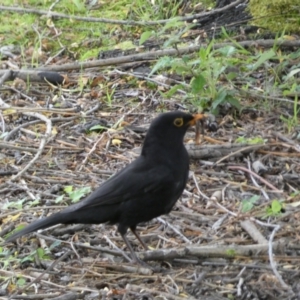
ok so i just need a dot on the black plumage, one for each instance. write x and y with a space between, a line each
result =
146 188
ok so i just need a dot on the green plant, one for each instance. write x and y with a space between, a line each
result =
293 121
231 252
206 70
109 96
251 141
77 194
274 209
248 204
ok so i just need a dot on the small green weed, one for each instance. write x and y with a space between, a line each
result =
75 195
248 204
275 209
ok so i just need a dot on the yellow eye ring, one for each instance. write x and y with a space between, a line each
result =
178 122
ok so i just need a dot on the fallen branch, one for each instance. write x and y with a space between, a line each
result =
221 251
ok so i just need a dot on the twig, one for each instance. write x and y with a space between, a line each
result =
174 229
41 276
92 150
275 190
198 188
43 139
117 248
42 143
270 252
255 182
254 147
252 230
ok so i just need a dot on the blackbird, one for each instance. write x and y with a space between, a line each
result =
146 188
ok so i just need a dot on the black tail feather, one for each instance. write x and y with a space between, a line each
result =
39 224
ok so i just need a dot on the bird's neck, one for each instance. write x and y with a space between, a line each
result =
165 149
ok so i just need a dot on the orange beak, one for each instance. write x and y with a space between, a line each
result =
196 118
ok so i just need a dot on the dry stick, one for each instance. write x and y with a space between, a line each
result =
27 190
43 139
37 296
42 143
216 251
68 296
220 205
139 289
255 183
110 21
2 122
63 287
264 97
295 145
91 151
252 230
270 251
41 276
198 189
156 54
272 263
99 249
116 247
275 190
20 148
154 80
150 56
174 229
254 147
65 111
5 76
16 129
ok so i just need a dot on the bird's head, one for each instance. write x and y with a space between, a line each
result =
170 128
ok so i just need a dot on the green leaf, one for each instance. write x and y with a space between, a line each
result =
98 127
291 74
202 54
21 282
163 62
173 90
68 189
197 84
15 204
145 36
233 101
276 206
231 252
227 50
219 98
231 75
40 252
174 22
79 193
251 141
54 244
263 58
248 204
59 199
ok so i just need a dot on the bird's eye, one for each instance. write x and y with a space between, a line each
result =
178 122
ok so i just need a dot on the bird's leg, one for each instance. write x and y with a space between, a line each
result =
133 229
133 254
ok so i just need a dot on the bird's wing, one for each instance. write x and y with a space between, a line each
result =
134 180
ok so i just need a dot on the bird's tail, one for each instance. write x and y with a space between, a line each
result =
39 224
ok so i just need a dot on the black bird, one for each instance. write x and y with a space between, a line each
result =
146 188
